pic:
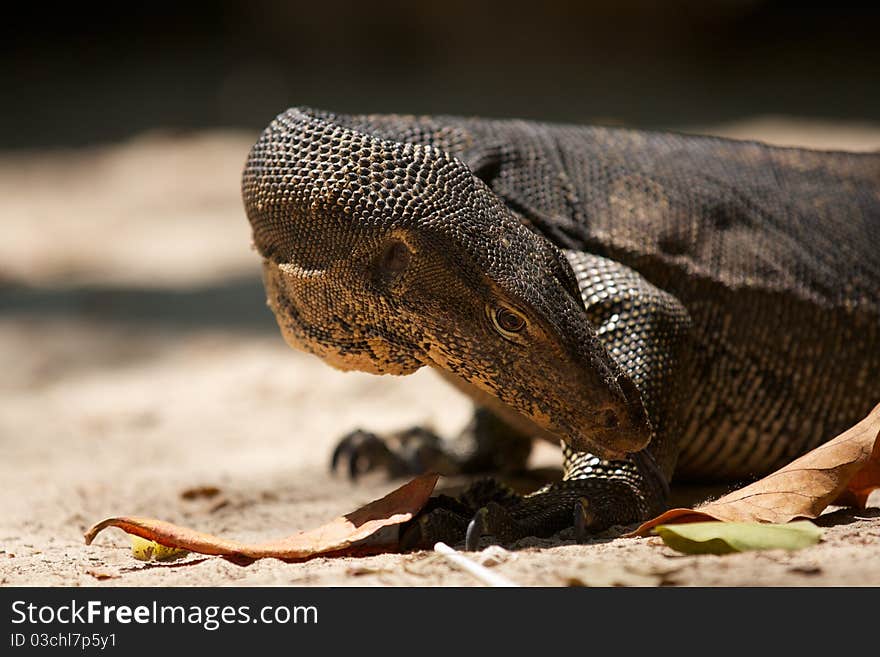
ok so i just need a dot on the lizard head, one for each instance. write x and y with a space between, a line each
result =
384 256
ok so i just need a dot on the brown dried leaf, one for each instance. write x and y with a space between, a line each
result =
196 492
339 537
101 575
844 471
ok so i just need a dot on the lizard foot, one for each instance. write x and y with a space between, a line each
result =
409 452
509 526
446 518
506 517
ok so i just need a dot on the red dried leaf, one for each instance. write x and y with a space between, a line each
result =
344 535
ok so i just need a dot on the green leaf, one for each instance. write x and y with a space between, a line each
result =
725 537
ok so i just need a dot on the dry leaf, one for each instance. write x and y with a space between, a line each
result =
590 573
196 492
344 535
863 483
844 470
102 575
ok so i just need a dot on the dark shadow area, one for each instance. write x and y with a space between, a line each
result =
846 516
80 73
235 304
689 495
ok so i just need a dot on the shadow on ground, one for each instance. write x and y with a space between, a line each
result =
233 304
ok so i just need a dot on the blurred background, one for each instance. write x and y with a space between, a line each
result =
139 359
77 74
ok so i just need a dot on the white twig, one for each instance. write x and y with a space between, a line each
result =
480 572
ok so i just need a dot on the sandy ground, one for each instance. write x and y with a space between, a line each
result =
139 362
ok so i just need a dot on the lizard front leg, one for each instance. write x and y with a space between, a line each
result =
646 330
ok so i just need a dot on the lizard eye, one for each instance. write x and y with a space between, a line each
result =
506 321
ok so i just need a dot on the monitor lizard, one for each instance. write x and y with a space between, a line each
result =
659 303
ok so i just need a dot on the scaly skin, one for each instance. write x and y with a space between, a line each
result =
659 303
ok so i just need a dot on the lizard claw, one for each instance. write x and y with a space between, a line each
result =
583 519
411 451
363 450
492 520
475 530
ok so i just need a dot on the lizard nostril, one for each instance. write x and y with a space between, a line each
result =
395 257
608 419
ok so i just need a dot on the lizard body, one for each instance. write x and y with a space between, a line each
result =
658 302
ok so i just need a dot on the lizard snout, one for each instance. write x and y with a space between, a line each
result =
618 426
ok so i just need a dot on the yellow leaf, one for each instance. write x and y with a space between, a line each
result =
724 537
145 550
